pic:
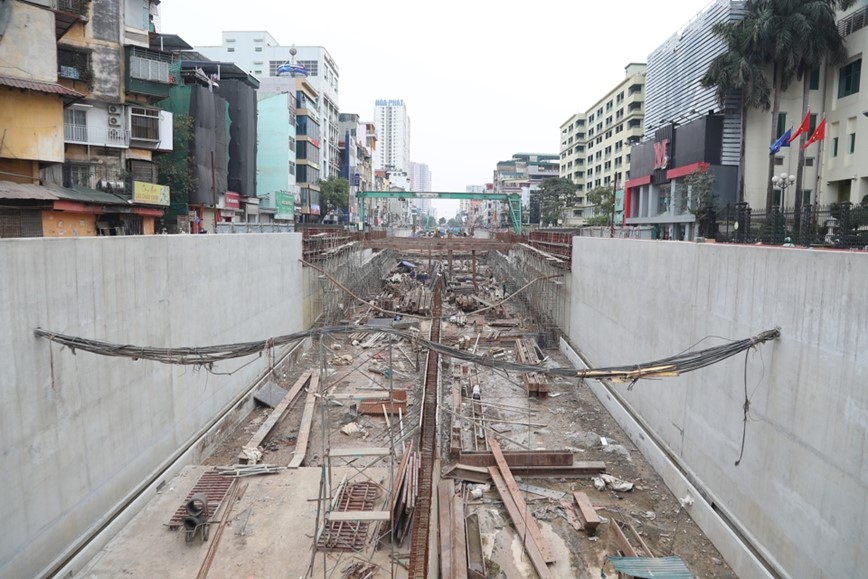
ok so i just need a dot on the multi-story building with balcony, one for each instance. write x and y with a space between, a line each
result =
595 144
521 175
309 151
357 145
109 129
259 54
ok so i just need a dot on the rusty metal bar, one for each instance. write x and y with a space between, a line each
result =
519 458
419 534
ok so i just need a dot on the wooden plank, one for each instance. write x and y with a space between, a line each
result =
532 527
459 539
624 546
648 552
354 452
475 558
445 490
480 474
359 516
376 407
589 516
274 417
306 420
359 396
518 520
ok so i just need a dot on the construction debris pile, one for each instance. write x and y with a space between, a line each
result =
512 470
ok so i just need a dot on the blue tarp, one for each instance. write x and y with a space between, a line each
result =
408 265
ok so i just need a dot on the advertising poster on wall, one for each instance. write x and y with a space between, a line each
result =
285 205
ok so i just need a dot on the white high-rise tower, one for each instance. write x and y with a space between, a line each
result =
393 135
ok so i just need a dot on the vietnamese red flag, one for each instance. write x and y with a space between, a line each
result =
819 134
803 128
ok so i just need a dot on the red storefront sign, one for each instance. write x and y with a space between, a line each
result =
231 200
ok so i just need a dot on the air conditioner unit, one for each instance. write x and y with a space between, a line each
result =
114 121
114 109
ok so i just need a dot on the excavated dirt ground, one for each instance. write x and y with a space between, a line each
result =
570 417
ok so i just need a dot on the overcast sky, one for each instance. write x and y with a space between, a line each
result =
481 80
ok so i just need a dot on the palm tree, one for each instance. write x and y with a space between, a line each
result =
739 69
785 35
824 45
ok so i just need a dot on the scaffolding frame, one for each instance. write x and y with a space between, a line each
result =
544 301
362 273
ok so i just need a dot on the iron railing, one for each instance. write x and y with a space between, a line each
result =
105 136
74 6
839 225
853 22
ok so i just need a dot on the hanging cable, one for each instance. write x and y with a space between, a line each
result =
205 355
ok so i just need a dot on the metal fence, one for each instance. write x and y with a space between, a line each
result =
254 227
839 225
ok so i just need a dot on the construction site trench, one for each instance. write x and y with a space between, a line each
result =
367 453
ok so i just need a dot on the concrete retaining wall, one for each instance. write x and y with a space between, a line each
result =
799 492
79 431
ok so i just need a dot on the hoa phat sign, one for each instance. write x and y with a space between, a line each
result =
150 193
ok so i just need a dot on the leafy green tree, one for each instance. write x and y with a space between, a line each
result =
740 68
454 222
787 37
175 169
553 197
442 221
824 45
603 201
334 195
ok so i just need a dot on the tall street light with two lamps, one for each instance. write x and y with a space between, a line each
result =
783 181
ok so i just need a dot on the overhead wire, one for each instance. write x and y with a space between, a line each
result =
208 355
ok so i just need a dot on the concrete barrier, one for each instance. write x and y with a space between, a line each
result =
80 431
797 494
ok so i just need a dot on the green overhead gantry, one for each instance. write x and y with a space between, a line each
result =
513 200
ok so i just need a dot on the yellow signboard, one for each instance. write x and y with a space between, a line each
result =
150 193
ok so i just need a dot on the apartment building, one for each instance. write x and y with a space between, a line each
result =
595 144
393 134
688 129
420 177
80 88
259 54
521 175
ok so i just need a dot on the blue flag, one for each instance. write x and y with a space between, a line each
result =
783 141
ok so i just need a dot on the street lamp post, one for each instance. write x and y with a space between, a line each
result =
782 182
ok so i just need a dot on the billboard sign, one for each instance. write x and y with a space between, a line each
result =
150 193
231 200
285 206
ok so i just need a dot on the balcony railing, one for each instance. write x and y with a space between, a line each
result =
149 65
75 6
95 135
853 22
73 65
